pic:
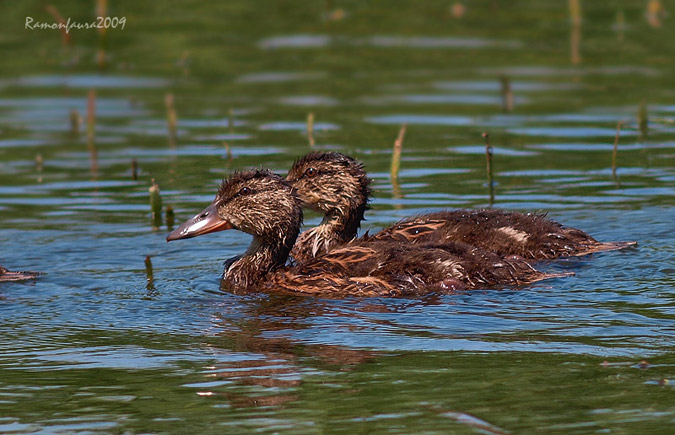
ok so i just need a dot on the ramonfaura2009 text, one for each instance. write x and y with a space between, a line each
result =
98 23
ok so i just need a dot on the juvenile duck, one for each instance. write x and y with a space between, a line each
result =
337 186
264 205
8 275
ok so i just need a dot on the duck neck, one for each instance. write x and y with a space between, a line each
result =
264 255
342 225
342 214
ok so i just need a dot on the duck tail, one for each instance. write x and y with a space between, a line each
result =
603 247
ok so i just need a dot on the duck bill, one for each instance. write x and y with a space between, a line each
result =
309 200
205 222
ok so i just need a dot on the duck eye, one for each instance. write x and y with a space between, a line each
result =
244 191
311 172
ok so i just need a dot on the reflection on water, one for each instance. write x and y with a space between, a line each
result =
423 42
91 347
87 81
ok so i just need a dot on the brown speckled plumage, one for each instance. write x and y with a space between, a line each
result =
531 236
261 204
528 235
265 206
395 269
337 186
8 275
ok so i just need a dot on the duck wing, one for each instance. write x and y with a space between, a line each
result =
531 236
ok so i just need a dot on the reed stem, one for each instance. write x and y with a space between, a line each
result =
172 118
488 163
643 120
91 127
575 34
65 36
148 269
170 218
39 161
228 151
310 128
615 149
155 205
149 275
396 154
507 94
134 169
75 122
101 11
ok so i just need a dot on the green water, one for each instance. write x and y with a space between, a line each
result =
94 347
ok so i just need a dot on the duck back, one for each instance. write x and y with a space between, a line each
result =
531 236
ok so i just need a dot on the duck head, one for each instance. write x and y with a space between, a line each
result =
257 202
331 183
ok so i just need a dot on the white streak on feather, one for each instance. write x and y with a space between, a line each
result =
518 236
453 268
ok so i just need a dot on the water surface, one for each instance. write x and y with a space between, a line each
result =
93 346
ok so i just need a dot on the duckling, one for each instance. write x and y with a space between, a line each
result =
264 205
337 186
7 275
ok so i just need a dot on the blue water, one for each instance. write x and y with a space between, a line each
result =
98 345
